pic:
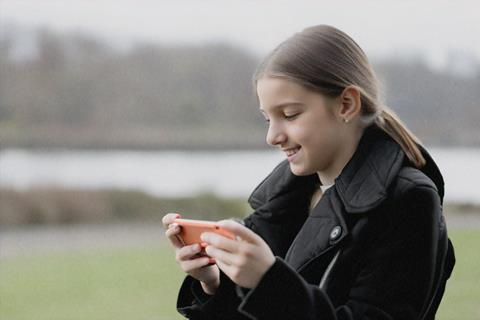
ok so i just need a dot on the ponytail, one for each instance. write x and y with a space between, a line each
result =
389 122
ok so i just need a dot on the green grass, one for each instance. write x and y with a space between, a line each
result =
143 284
121 284
462 295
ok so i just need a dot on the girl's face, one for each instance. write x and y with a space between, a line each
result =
302 123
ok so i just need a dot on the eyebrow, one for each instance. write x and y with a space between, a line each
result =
281 105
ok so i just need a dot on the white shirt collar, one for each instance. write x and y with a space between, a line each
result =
324 188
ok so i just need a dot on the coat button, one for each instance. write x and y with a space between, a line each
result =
335 233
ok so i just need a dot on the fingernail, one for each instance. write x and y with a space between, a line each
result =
177 216
211 260
203 244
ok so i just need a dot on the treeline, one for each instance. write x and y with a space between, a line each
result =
77 92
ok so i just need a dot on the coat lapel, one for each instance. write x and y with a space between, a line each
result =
361 186
324 228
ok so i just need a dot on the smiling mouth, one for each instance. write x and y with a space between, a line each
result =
293 151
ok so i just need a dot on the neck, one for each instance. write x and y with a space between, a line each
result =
328 176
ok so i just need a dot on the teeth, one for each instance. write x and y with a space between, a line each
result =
292 151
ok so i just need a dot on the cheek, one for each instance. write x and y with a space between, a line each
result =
318 135
322 146
316 131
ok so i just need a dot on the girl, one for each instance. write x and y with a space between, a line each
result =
349 226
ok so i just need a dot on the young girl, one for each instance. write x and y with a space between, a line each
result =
349 226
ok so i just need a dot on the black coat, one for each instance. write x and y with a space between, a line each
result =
374 247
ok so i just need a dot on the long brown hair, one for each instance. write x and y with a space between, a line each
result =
326 60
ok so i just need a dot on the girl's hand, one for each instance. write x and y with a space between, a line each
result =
189 259
244 261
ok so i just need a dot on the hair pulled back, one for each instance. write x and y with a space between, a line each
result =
326 60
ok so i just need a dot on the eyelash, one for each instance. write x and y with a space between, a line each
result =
291 117
288 118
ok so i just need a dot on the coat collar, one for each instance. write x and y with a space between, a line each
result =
364 180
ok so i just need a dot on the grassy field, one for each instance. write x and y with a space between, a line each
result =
118 284
143 284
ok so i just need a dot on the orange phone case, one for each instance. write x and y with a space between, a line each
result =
192 229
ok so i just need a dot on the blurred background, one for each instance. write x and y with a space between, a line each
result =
113 113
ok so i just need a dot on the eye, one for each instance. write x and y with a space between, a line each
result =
291 117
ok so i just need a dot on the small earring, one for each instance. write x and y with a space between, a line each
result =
345 120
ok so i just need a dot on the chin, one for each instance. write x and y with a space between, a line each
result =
300 171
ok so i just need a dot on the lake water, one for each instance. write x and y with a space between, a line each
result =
173 173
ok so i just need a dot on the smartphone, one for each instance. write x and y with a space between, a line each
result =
192 229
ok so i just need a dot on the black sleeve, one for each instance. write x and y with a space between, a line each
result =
393 283
194 303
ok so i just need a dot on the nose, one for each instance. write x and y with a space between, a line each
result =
275 135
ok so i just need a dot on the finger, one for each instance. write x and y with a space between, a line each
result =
172 235
187 252
169 218
221 255
226 268
193 264
220 241
240 230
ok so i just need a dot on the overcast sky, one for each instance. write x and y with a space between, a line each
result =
431 28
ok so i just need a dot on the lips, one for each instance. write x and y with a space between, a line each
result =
291 153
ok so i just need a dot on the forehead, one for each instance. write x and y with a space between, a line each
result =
269 88
275 91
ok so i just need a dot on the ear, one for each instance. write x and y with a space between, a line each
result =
350 103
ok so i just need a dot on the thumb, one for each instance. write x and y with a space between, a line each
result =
239 230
